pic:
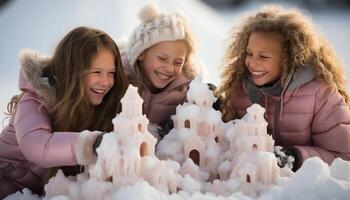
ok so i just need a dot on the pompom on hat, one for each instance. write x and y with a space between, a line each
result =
155 27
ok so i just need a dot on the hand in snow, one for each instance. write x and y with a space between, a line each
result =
165 128
285 157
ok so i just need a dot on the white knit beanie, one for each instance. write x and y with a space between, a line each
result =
155 27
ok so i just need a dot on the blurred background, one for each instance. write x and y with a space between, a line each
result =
40 24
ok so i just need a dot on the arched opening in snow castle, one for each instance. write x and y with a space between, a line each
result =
255 146
143 149
187 123
248 178
217 139
140 128
194 155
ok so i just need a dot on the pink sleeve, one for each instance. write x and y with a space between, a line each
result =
330 127
37 141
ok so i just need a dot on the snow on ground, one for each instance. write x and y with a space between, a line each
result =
315 180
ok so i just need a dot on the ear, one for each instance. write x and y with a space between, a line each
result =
141 56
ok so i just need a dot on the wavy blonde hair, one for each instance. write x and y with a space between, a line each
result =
302 46
190 68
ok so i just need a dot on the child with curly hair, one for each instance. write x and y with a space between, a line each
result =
277 59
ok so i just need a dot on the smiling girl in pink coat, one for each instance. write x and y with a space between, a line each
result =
66 100
277 60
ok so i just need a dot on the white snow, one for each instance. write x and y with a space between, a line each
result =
312 181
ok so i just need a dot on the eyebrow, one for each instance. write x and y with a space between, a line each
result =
258 51
100 68
166 55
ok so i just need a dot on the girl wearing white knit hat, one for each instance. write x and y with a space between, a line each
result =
159 60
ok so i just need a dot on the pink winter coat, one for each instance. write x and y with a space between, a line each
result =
158 107
27 145
308 116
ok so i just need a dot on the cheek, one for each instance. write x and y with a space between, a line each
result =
178 70
246 61
88 81
111 81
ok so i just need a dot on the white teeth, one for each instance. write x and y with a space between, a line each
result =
258 73
162 76
98 91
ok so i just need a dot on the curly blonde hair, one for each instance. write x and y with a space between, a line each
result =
302 46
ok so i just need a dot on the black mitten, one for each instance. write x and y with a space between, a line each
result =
165 128
97 143
285 157
216 105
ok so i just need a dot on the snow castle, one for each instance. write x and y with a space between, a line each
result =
200 148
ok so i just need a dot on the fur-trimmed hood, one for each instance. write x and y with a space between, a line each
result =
31 75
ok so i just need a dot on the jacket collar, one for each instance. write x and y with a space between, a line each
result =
293 81
31 75
255 92
299 78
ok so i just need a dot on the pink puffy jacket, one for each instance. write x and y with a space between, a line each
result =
308 116
28 147
158 107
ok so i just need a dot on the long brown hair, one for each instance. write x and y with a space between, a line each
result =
302 45
66 72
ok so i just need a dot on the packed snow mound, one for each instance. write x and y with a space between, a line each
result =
201 158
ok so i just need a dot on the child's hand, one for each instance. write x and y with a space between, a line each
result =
85 147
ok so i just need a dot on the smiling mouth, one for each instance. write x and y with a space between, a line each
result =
257 74
98 91
162 76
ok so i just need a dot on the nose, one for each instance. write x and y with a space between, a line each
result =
172 68
106 80
251 61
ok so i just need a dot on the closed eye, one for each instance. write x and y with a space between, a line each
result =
96 72
161 58
264 57
178 63
111 73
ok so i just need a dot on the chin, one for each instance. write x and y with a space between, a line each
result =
96 103
159 85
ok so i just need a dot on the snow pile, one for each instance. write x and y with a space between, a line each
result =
313 181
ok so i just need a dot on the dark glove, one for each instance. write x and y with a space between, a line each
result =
165 128
97 142
286 157
216 105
